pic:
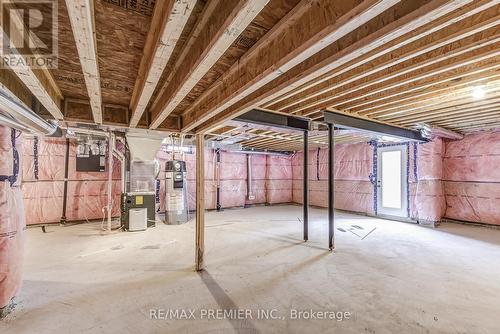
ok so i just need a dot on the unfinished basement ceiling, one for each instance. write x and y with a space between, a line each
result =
198 64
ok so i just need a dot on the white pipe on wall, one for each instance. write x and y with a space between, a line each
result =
249 177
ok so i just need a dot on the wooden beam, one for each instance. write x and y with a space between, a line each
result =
405 115
408 79
205 15
81 16
200 201
169 19
468 21
424 92
411 106
389 29
292 42
356 80
432 116
39 82
225 25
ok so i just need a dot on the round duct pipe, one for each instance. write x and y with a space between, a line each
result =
17 115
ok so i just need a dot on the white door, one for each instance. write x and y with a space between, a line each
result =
392 183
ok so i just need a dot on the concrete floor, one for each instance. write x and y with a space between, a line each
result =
400 278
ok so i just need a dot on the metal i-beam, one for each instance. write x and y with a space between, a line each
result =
344 121
267 118
290 122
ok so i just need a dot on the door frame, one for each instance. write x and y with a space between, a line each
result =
396 213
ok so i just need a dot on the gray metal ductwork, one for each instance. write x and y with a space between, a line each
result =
15 114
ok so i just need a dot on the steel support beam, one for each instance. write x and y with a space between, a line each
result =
344 121
290 122
306 187
267 118
331 189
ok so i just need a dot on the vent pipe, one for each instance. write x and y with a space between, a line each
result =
15 114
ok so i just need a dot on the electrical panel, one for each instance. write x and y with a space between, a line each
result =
91 155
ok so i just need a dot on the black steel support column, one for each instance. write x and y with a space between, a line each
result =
331 181
66 174
306 187
217 155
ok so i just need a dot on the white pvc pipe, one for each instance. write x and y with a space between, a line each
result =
121 157
250 176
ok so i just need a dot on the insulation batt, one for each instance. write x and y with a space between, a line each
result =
233 176
471 177
87 191
258 166
279 183
427 201
271 178
12 221
454 179
353 189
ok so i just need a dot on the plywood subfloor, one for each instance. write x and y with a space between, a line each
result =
401 278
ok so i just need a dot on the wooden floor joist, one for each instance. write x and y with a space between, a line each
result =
431 36
382 34
395 81
298 41
81 15
231 18
205 15
169 19
428 64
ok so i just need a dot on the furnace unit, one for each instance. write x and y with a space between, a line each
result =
132 201
176 210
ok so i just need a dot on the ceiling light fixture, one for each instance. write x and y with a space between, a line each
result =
478 92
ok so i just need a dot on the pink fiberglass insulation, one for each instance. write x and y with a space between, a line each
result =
258 168
87 191
353 166
279 182
210 179
43 201
427 201
271 178
12 220
353 189
233 176
471 177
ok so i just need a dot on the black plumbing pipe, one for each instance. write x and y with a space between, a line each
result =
66 175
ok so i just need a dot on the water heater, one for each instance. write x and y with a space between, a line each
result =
176 210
